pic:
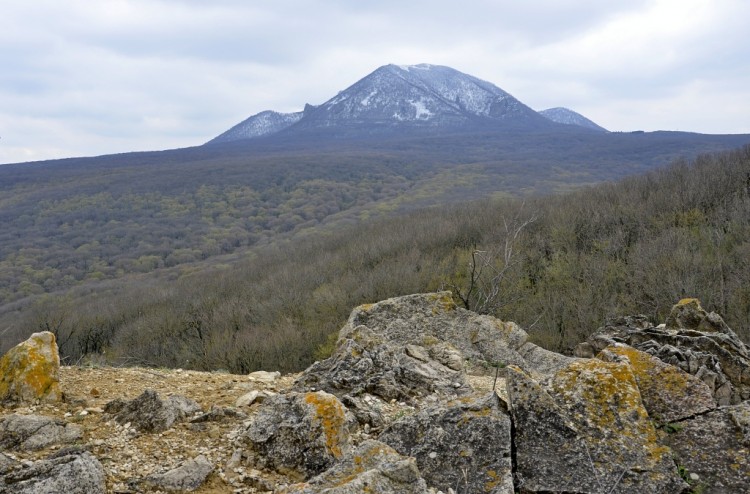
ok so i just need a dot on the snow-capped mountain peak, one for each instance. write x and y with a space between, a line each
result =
401 97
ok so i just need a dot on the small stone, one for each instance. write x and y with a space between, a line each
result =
432 455
695 477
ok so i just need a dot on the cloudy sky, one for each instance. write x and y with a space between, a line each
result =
90 77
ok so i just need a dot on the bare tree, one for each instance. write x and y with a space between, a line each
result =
488 269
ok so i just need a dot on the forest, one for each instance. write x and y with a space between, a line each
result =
557 264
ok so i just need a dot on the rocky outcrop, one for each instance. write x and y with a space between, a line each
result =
149 413
299 434
464 445
586 430
373 467
708 349
70 474
29 371
712 449
642 408
35 432
366 362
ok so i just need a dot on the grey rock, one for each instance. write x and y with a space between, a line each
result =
543 361
34 432
299 434
149 413
187 477
71 474
366 363
7 463
367 409
466 443
715 447
585 430
716 356
433 318
218 414
373 467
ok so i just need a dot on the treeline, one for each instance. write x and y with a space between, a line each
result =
635 246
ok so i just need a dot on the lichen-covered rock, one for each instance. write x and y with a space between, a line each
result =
715 447
433 318
668 393
34 432
586 430
70 474
688 314
466 443
373 467
30 370
366 363
299 434
149 413
186 477
713 353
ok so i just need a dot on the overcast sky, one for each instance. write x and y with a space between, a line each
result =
90 77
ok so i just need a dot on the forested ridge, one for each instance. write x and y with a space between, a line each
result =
633 246
69 222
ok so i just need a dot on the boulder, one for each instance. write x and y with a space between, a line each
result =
34 432
70 474
149 413
433 318
466 443
30 370
187 477
299 434
713 353
540 361
668 393
713 448
264 376
585 430
373 467
366 362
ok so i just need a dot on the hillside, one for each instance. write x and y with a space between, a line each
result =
634 246
72 221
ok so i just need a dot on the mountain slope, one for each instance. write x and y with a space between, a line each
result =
569 117
261 124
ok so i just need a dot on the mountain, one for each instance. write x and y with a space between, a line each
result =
398 97
569 117
261 124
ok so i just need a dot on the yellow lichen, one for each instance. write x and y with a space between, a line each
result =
330 414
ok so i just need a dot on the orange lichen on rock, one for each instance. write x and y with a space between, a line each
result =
331 414
30 370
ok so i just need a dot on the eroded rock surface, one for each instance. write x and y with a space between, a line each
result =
715 447
668 393
585 430
366 362
34 432
466 443
69 474
186 477
708 349
373 467
150 413
299 434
